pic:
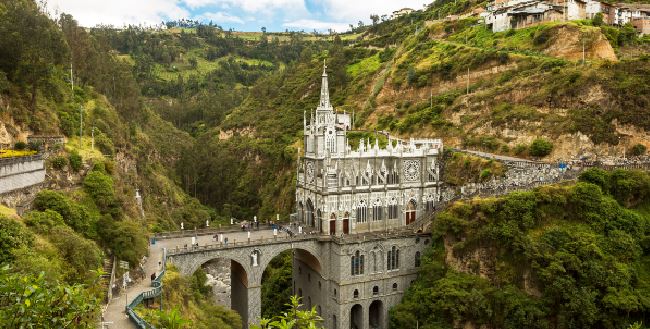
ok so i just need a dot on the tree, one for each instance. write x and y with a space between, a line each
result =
35 45
637 150
263 29
374 18
598 19
173 320
13 235
541 147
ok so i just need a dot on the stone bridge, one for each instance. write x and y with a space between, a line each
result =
324 272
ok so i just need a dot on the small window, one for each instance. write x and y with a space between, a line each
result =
356 293
299 292
299 270
319 285
417 239
334 292
395 286
375 290
308 277
417 259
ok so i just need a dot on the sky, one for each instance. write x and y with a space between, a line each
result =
241 15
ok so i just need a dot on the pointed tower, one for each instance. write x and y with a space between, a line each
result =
324 104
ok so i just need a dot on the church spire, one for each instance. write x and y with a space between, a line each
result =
324 90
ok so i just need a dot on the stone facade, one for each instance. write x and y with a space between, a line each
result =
342 191
342 278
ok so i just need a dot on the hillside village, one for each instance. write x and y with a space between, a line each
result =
502 15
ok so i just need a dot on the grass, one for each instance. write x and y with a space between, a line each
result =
366 66
8 212
86 151
16 153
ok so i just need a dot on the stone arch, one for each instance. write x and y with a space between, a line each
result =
375 314
356 317
305 252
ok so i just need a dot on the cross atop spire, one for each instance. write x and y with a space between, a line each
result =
324 103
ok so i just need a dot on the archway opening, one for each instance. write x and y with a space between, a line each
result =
356 317
346 223
333 224
292 272
225 282
375 315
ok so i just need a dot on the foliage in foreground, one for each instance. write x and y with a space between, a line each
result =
294 318
31 301
188 303
555 257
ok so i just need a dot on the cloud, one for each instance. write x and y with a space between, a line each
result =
353 11
220 18
310 24
119 12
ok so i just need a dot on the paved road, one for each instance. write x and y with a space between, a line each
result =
115 310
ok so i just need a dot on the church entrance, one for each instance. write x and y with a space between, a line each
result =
410 212
333 224
346 224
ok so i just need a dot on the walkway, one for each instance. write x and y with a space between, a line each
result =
115 311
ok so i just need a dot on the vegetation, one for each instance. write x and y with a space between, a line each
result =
540 147
462 168
559 256
188 304
293 318
277 285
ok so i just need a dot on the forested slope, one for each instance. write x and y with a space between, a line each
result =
572 256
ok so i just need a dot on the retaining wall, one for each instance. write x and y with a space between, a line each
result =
17 173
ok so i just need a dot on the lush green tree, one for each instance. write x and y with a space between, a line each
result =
75 215
540 147
31 301
13 235
75 161
277 284
99 186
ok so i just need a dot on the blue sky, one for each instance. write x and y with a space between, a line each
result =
241 15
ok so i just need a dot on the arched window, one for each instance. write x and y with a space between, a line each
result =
375 290
309 302
356 293
362 212
357 263
392 259
395 286
299 292
377 211
417 259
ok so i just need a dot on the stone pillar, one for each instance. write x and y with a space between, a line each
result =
254 305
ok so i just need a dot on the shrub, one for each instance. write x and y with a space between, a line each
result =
74 215
598 19
637 150
100 187
541 147
20 146
58 162
75 161
13 235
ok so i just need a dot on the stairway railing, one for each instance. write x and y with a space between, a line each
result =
155 292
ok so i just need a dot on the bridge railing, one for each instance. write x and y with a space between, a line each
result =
205 231
155 292
247 242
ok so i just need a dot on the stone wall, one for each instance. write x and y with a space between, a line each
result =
18 173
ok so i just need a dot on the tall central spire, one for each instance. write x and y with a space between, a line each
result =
324 90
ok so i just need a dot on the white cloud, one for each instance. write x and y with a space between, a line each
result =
119 12
353 11
220 18
310 24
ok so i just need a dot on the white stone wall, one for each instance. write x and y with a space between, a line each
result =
16 174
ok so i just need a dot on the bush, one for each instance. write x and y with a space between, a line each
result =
13 235
59 162
541 147
74 215
20 146
75 161
598 19
100 187
637 150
